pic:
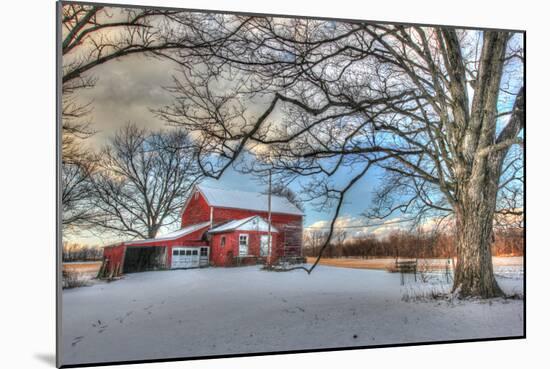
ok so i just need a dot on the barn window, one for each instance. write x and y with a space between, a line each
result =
222 242
188 252
204 251
243 245
195 252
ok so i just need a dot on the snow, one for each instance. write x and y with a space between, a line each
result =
253 223
226 198
220 311
176 234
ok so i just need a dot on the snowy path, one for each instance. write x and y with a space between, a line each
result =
220 311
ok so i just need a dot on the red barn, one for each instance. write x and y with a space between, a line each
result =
219 227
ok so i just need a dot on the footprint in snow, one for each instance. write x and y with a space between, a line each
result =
76 340
102 328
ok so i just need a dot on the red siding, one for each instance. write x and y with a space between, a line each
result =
195 211
289 226
113 256
287 242
191 239
222 256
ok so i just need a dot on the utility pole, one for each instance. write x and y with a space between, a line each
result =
269 248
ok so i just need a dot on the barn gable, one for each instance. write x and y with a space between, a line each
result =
254 223
196 209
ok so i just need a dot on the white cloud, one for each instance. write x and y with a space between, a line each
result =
357 227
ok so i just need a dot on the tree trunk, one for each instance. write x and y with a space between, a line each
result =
474 227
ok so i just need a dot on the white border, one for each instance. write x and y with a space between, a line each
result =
27 185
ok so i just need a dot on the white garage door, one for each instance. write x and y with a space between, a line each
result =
185 257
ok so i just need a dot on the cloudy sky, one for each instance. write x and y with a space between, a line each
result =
127 90
131 88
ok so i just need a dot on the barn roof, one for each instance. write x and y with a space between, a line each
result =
174 235
253 223
236 199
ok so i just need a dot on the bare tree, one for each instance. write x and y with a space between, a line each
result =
437 108
75 186
81 252
313 241
92 35
142 182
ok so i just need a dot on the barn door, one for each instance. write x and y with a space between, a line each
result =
185 257
177 257
195 258
203 260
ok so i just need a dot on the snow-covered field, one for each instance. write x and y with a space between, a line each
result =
217 311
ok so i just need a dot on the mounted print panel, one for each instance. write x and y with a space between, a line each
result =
243 184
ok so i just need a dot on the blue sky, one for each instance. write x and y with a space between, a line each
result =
357 199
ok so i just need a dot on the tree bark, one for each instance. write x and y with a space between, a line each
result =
474 227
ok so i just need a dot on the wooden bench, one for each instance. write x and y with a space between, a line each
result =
406 266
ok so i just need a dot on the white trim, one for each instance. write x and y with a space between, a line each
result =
196 189
211 217
192 260
238 225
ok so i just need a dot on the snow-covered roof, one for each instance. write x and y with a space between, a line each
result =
254 223
247 200
176 234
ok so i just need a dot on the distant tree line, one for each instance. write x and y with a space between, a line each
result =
73 251
407 244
